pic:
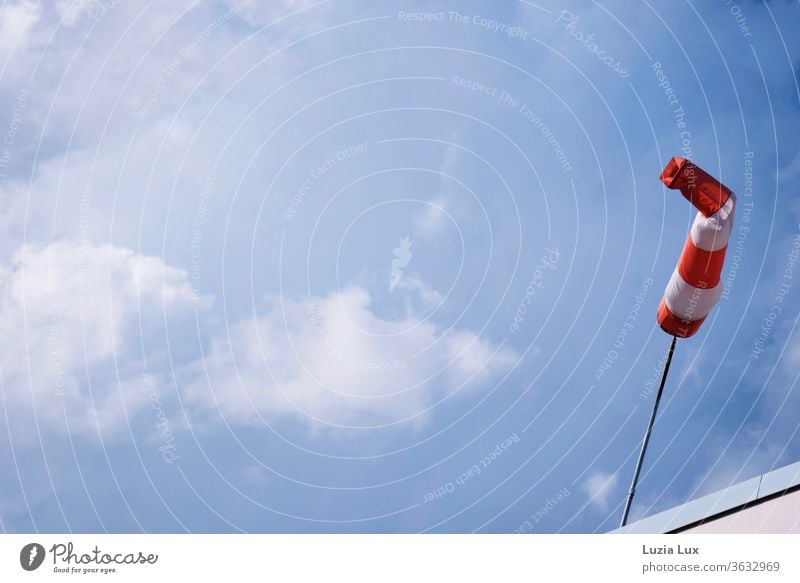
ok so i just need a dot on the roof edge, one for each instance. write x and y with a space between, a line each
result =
720 503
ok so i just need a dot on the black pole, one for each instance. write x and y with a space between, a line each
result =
646 439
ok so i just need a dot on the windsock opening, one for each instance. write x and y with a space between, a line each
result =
671 171
706 193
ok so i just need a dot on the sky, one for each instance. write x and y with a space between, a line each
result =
338 266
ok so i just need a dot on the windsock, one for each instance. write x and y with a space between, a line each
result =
695 285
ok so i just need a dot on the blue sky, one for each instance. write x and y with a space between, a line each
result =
385 267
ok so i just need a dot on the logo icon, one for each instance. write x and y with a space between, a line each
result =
402 256
31 556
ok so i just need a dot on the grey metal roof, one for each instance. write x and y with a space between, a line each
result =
731 498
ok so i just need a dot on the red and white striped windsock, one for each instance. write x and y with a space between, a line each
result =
695 285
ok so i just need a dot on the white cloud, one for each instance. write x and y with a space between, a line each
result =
791 359
600 487
414 284
17 19
791 171
787 178
72 11
331 360
693 373
71 313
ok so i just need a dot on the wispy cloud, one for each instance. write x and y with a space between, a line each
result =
430 221
600 487
17 19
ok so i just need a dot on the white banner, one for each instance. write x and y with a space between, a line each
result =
401 558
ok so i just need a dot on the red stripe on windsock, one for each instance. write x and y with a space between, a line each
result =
700 268
706 193
672 324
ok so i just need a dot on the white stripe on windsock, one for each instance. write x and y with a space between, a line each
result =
712 233
688 302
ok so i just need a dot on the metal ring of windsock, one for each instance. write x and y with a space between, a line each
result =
695 285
